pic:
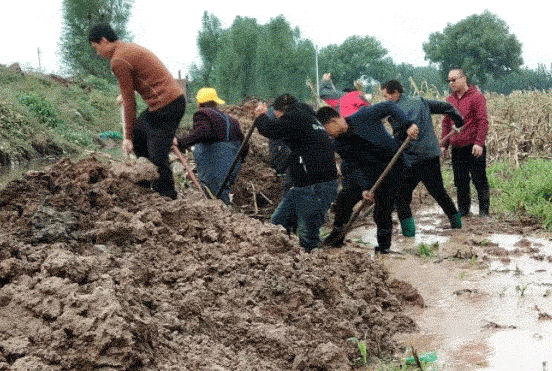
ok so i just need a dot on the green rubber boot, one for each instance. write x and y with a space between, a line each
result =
456 221
408 227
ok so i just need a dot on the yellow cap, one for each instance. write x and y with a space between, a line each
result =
207 95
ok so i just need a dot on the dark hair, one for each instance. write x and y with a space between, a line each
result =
210 103
284 102
325 114
102 30
392 86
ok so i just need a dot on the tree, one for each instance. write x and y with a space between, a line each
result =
236 63
357 56
78 17
209 44
284 60
480 44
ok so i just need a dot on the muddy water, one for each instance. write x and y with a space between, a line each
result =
484 312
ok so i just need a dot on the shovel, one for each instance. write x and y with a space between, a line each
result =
188 169
236 159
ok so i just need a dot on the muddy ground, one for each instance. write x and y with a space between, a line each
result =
97 273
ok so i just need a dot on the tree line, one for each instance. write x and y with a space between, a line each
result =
249 59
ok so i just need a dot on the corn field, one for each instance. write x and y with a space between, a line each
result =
520 124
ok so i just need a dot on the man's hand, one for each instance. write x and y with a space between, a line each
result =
127 146
261 109
327 77
477 150
368 196
413 131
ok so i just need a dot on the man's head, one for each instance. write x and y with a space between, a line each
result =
458 81
207 97
283 103
333 122
392 90
102 37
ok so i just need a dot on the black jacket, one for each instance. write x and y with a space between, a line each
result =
312 157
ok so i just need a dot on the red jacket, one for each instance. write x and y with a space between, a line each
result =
351 102
473 107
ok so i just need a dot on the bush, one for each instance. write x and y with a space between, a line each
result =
42 108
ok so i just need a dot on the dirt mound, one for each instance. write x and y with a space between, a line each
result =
258 189
97 272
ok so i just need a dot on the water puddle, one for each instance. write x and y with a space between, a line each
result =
481 314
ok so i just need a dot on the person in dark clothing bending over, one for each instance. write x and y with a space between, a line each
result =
424 154
216 138
138 69
311 166
366 148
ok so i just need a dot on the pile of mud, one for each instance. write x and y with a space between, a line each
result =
258 189
99 273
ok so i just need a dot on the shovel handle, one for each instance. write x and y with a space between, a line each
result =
375 186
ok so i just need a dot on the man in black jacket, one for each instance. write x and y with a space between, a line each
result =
366 148
311 166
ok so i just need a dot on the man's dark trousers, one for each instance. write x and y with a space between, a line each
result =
153 137
465 167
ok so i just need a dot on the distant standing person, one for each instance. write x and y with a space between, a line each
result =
347 102
151 134
216 138
468 146
424 154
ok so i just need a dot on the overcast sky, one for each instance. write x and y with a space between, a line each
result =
169 28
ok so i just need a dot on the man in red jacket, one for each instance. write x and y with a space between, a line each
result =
468 146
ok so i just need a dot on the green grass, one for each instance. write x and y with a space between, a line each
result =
526 190
36 109
427 250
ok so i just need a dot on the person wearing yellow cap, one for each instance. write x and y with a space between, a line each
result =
216 138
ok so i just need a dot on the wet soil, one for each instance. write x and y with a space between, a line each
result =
99 273
486 289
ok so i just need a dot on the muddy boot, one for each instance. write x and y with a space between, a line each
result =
381 250
335 238
456 221
408 227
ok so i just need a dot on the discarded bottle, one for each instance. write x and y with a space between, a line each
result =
111 135
425 357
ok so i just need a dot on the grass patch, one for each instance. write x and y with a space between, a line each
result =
427 250
526 190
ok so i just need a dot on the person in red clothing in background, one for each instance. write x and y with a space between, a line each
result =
468 146
137 69
347 102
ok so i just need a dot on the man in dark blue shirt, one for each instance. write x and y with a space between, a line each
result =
366 148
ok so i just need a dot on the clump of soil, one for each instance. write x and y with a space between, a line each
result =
99 273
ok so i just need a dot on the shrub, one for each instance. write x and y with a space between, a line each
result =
42 108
